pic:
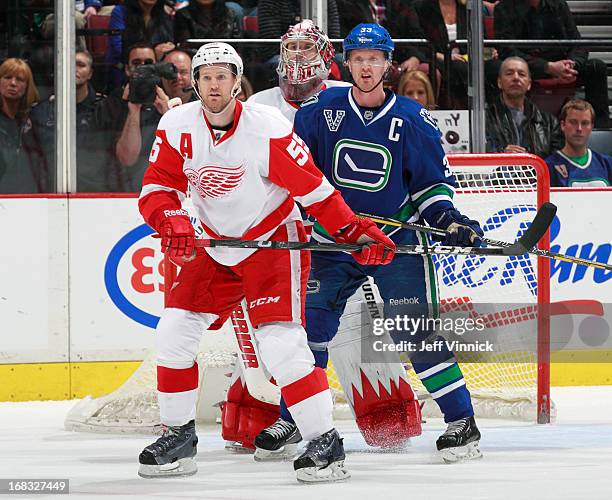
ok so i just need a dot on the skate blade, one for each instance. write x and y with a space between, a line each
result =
237 448
287 452
331 473
470 451
182 467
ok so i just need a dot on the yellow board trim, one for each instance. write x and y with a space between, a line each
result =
58 381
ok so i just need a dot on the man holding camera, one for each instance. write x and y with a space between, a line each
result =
130 114
181 86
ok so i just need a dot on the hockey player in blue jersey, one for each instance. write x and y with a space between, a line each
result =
575 165
383 152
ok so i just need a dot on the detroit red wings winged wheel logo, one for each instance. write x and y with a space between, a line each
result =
215 182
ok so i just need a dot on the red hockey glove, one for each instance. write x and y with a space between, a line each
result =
177 233
379 248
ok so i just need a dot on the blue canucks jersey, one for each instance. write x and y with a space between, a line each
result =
387 162
597 172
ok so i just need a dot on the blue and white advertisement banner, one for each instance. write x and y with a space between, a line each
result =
98 298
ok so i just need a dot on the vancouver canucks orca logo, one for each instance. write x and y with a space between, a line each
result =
361 165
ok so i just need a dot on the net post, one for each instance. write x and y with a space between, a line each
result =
543 388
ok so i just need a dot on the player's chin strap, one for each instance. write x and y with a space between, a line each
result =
382 79
235 91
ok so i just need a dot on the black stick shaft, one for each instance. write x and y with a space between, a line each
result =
490 241
341 247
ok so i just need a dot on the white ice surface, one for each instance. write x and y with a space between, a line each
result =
571 459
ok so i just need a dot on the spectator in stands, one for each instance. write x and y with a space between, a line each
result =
249 7
576 165
84 10
181 86
21 168
163 48
90 7
140 21
397 16
131 125
552 19
246 89
416 85
514 124
95 170
206 19
444 21
275 17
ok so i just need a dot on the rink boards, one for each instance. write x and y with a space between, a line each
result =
82 290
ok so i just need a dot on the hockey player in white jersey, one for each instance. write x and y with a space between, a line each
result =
306 55
246 169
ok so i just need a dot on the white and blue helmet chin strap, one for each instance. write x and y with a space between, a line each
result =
221 54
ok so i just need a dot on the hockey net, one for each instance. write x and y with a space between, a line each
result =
502 192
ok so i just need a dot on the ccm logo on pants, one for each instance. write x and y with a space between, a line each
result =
263 300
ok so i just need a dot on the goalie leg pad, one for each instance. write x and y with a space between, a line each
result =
385 406
243 417
386 420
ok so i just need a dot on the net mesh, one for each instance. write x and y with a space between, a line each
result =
502 384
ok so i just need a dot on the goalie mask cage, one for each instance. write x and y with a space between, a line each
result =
502 192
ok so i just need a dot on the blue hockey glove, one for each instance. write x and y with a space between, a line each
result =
462 231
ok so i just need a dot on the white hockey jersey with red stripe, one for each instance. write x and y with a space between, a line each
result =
274 97
243 185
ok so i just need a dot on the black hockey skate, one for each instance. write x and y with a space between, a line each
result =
460 441
172 454
277 442
323 460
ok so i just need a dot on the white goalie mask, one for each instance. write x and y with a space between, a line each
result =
217 53
306 55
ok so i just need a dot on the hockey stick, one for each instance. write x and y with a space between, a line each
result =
517 249
526 242
257 382
489 241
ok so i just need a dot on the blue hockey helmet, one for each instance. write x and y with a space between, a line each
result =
368 36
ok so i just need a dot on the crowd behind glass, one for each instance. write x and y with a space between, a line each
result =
127 80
